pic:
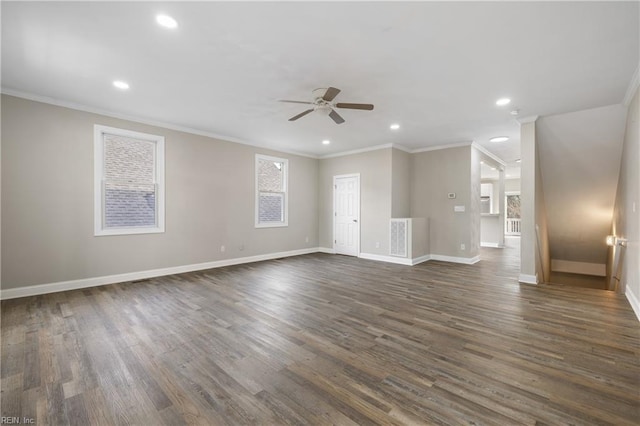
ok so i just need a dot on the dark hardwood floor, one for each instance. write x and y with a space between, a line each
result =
322 339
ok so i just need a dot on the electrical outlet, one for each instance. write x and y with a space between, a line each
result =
223 248
463 247
377 244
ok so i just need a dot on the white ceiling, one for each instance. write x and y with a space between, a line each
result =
435 68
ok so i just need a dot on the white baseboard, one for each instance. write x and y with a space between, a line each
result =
394 259
326 250
34 290
584 268
383 258
420 259
453 259
528 279
633 301
493 245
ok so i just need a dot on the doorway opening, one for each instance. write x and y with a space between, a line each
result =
512 218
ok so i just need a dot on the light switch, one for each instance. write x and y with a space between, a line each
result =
458 209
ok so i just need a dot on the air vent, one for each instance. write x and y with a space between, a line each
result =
398 237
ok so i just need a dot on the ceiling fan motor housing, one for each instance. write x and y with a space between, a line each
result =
324 109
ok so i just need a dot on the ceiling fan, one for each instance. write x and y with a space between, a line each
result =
323 103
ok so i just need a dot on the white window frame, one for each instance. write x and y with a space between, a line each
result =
98 190
285 192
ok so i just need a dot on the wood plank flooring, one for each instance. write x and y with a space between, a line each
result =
322 339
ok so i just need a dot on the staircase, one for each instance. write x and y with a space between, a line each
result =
579 155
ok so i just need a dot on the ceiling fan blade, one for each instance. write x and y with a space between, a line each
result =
331 93
367 107
302 114
295 102
336 117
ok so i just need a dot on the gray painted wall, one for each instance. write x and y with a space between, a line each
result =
626 222
400 183
375 197
47 200
433 175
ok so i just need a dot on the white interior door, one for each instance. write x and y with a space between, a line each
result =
346 214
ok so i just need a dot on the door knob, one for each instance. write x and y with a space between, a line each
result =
355 220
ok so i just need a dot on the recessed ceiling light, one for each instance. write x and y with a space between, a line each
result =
493 168
503 101
499 139
121 84
518 160
166 21
394 126
326 142
515 112
482 162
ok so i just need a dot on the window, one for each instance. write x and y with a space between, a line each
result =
128 182
271 191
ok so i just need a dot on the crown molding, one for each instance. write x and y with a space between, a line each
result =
359 151
489 154
140 120
525 120
633 86
176 127
401 147
439 147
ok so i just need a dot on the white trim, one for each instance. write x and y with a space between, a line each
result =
359 151
454 259
388 259
98 176
528 279
633 301
439 147
633 86
394 259
326 250
401 147
582 268
34 290
420 259
525 120
135 119
489 154
285 214
193 131
492 245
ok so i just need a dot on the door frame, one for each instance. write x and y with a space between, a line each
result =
348 175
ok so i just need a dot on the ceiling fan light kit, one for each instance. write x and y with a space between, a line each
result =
323 104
